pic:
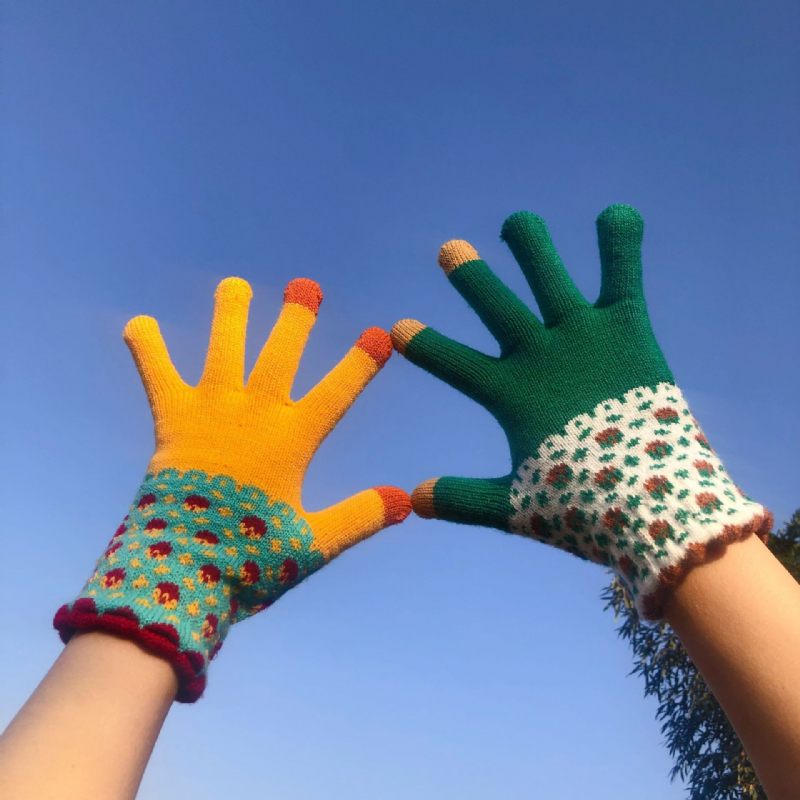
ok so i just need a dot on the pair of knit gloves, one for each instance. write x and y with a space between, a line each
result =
607 461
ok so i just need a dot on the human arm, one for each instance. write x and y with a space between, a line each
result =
216 533
90 726
607 461
738 617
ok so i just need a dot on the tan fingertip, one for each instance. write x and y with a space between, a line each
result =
455 253
404 331
422 499
377 344
396 504
304 292
234 287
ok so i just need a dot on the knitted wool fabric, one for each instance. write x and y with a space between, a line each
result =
217 531
607 461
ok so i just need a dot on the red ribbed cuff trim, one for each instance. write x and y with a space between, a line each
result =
156 638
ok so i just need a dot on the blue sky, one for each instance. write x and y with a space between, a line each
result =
150 149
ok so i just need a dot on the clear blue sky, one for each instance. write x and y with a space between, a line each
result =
150 149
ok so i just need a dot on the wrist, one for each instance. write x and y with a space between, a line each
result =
195 554
634 484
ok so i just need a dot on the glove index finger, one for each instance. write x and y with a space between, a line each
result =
328 401
465 369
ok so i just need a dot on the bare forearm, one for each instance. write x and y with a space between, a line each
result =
90 726
739 619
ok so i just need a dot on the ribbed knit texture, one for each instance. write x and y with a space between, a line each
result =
217 531
607 462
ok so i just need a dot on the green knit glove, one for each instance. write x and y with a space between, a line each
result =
607 461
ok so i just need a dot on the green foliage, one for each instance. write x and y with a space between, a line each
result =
786 545
706 751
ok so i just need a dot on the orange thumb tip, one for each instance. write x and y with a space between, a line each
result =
396 504
377 344
303 292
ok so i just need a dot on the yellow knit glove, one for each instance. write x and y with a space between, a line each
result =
217 531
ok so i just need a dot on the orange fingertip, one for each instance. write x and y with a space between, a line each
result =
455 253
403 332
377 344
396 504
422 499
303 292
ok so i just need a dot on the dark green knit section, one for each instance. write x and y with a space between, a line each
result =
552 369
556 373
577 356
473 501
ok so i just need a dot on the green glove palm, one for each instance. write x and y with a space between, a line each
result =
607 461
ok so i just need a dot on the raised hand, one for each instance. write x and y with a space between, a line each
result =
607 461
217 531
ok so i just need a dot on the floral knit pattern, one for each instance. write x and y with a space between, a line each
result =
195 554
631 484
